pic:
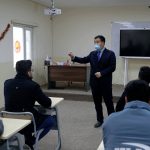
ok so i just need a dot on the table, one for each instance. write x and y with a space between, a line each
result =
55 102
73 73
13 126
101 146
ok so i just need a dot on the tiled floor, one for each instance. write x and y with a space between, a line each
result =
76 121
77 117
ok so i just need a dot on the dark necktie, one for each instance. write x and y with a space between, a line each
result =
99 55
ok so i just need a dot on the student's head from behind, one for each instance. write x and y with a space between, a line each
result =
24 67
99 41
144 74
137 90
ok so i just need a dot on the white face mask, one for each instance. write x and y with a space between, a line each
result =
97 47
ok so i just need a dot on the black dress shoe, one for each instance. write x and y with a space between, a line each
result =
98 124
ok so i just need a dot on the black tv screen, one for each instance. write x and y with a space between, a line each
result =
135 43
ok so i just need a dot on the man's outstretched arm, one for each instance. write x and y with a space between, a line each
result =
82 60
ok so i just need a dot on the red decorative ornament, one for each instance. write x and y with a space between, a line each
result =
4 32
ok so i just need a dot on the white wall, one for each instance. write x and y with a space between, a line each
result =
26 11
73 31
75 28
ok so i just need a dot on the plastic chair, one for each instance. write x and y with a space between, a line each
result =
22 115
54 112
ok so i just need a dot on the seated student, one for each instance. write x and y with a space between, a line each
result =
21 93
144 74
132 124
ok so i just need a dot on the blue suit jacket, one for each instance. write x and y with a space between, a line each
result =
106 65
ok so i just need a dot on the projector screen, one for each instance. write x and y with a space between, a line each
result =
135 43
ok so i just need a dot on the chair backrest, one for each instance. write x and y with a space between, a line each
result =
19 115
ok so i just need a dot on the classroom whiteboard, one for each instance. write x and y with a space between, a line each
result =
115 33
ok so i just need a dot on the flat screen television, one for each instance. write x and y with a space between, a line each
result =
135 43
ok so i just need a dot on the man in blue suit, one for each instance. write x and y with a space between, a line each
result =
103 64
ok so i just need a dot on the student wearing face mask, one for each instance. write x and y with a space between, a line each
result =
103 64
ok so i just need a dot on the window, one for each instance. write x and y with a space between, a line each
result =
22 43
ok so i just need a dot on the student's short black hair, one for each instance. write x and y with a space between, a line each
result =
137 90
101 37
144 74
23 66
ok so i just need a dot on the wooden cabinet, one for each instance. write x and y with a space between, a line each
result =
75 73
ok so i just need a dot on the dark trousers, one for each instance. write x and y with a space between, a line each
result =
47 123
102 93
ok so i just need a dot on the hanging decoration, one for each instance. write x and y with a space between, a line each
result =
2 35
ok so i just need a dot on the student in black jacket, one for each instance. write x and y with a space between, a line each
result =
21 93
103 64
144 74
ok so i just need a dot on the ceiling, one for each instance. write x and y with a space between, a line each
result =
94 3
